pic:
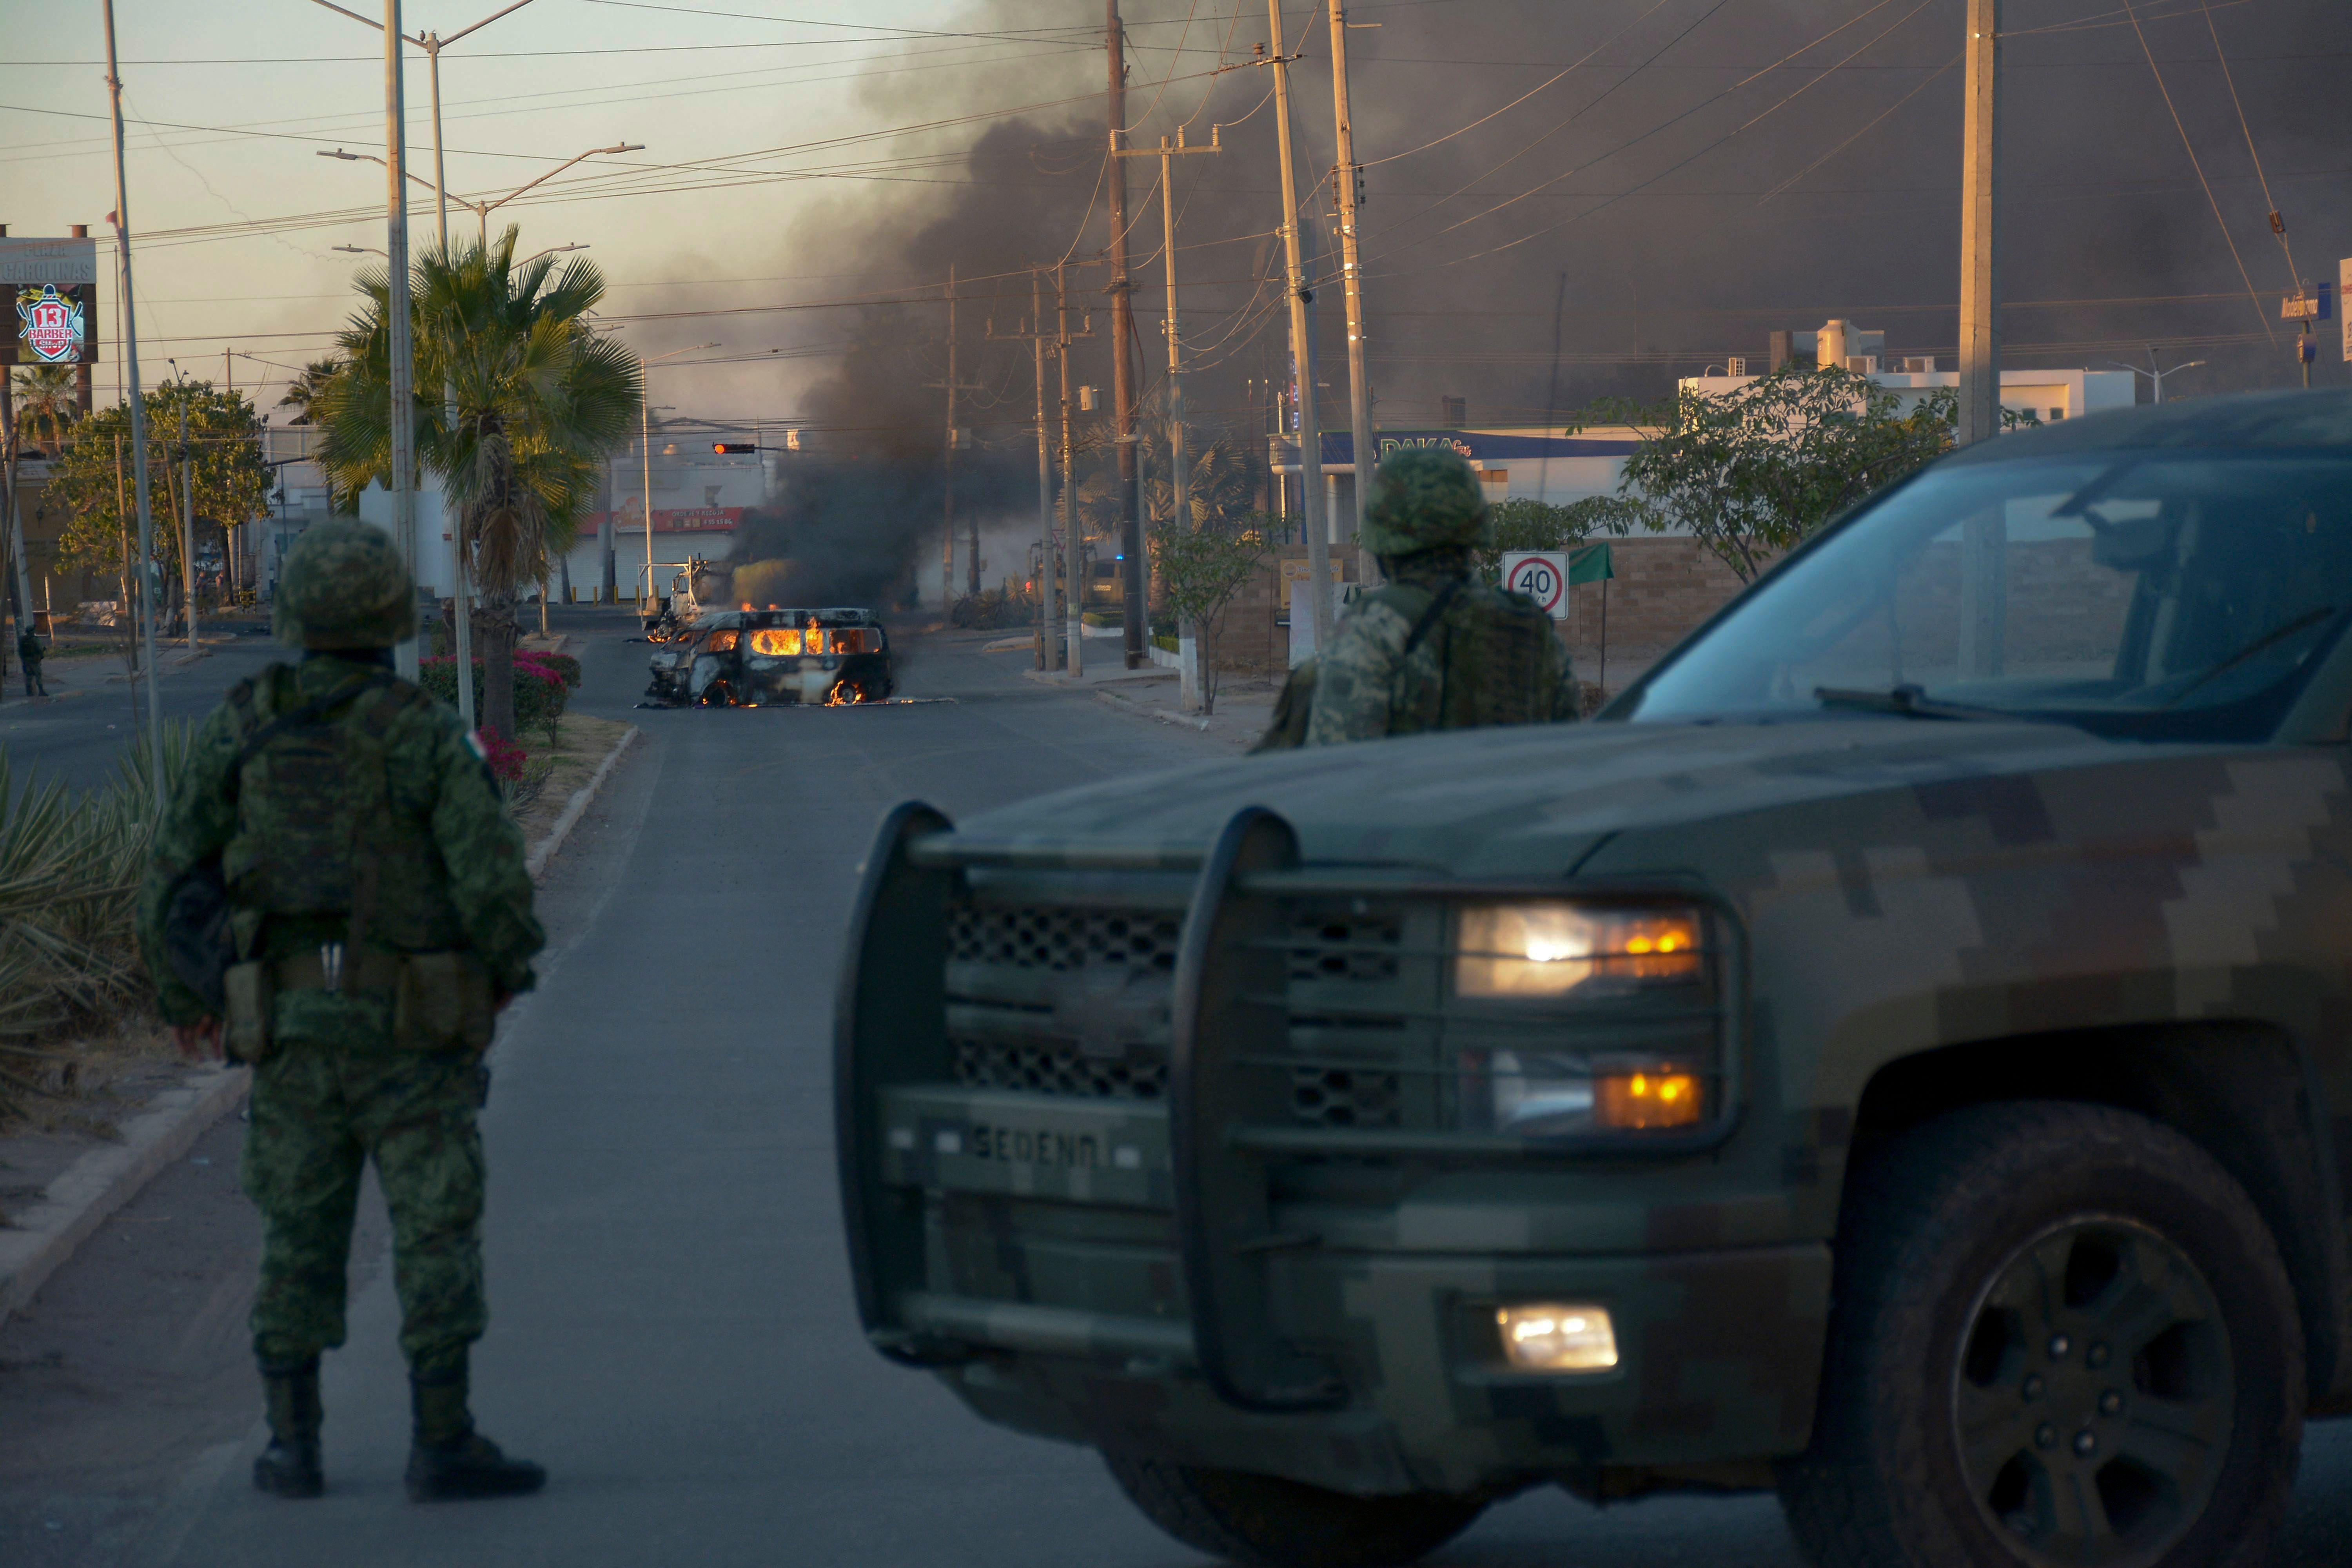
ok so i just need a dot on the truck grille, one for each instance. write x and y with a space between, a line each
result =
1063 940
1019 975
1043 1068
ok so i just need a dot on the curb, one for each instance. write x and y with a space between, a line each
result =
536 861
1129 705
102 1180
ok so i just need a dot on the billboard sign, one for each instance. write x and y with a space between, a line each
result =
52 288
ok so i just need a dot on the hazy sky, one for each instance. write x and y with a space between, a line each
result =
1683 177
230 102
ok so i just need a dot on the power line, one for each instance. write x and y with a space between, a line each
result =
2278 226
2251 299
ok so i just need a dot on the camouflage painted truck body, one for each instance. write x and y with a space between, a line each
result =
1152 1096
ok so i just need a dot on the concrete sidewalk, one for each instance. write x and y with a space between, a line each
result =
1244 703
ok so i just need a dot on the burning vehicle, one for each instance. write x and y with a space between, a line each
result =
750 658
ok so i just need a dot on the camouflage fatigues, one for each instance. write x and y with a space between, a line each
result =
341 1082
1369 684
29 650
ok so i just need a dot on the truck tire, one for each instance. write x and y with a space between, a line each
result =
2062 1335
1269 1523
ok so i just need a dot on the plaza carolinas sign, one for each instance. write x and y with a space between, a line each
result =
52 285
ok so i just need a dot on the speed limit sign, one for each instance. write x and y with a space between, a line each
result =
1542 575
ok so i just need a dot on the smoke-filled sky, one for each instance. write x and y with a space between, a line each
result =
1663 182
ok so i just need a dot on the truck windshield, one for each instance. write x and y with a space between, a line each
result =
2158 595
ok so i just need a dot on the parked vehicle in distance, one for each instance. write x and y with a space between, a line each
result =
1897 1055
750 658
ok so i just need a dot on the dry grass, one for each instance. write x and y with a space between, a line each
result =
582 744
71 864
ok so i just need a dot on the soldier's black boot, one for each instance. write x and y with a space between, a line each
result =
290 1465
448 1460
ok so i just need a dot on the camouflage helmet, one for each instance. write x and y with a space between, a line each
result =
343 586
1423 498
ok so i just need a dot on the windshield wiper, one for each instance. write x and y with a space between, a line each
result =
1909 701
2275 635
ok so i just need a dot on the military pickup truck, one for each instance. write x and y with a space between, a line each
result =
1896 1056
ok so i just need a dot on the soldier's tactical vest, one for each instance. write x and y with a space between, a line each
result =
321 832
1490 647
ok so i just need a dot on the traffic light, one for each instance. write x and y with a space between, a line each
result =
723 446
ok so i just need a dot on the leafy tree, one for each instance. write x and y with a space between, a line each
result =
517 402
309 389
231 480
1751 472
1202 568
46 401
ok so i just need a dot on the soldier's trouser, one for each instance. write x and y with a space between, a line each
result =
318 1114
34 685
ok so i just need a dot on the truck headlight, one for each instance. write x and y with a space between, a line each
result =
1584 1018
1553 948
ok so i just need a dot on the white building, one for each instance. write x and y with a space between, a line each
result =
2048 395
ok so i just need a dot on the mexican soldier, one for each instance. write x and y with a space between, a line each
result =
29 649
1435 649
380 916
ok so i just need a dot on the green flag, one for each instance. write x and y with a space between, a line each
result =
1591 564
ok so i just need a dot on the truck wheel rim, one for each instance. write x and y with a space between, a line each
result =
2094 1395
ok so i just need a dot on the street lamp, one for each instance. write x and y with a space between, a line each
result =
2154 374
359 249
552 250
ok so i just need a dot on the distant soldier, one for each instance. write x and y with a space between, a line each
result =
29 649
1435 648
378 916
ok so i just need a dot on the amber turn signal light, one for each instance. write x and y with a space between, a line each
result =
1641 1101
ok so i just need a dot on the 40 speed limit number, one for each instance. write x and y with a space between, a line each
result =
1542 575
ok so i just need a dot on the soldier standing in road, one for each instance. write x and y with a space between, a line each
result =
1435 648
380 916
29 649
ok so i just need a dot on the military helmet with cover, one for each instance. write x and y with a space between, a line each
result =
343 586
1425 498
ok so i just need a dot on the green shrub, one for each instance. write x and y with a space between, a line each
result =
540 692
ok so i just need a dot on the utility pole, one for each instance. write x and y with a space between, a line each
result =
188 519
1122 339
403 352
1073 592
947 499
461 608
138 423
1346 181
1979 410
1047 557
1302 350
1179 469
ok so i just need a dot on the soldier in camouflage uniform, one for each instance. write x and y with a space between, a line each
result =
1435 649
380 916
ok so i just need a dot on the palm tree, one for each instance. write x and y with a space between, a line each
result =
517 402
45 395
304 394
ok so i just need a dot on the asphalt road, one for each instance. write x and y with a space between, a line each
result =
76 735
672 1328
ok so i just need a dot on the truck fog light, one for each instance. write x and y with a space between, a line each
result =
1643 1100
1555 1336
